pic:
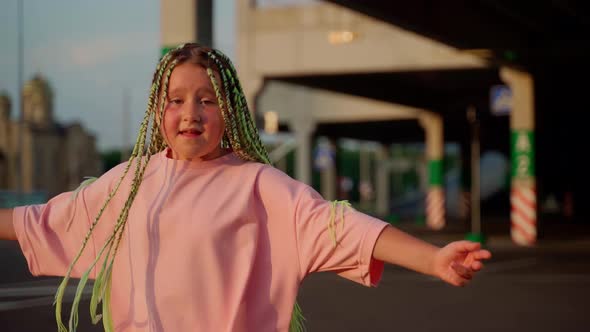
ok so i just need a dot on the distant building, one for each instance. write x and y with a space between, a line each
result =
55 157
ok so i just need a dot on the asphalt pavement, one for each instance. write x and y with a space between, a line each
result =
541 288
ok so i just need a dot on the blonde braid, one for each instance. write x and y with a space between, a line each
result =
100 288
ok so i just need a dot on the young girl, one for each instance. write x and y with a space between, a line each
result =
198 232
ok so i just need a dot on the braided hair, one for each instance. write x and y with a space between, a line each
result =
241 136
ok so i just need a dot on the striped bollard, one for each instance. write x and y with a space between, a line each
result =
435 208
435 199
523 214
523 196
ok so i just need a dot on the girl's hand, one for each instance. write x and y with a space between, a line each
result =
457 262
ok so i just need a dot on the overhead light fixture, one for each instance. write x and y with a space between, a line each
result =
341 37
271 122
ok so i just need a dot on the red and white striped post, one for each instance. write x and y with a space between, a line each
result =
523 195
435 198
523 214
435 207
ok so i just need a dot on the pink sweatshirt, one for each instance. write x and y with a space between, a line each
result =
218 246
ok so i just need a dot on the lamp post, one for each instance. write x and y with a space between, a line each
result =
476 234
20 50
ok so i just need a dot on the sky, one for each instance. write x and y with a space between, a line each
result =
93 53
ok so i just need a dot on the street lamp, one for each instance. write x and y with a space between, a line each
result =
20 50
475 234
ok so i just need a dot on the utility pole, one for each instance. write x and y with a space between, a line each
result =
125 125
475 234
21 122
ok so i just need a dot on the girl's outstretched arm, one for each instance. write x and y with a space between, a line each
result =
456 263
6 226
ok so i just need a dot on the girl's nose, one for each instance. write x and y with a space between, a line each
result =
192 112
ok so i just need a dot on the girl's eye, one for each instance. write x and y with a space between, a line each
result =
207 102
175 101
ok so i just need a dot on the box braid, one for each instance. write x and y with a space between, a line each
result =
241 136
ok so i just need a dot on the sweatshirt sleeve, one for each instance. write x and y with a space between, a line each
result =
328 236
50 235
333 236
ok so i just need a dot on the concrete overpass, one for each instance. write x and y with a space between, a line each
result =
394 64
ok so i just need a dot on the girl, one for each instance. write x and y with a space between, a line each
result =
217 239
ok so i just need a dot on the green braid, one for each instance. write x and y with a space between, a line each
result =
101 289
242 133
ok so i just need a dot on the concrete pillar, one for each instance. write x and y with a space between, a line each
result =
251 85
177 23
328 172
251 81
382 192
435 199
282 164
365 175
523 197
328 179
303 130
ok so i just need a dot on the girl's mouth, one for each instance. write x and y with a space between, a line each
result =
190 133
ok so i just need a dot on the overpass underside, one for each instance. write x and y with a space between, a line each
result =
410 70
447 92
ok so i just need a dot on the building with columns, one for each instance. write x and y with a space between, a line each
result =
38 154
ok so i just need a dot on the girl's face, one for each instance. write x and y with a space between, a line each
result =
193 125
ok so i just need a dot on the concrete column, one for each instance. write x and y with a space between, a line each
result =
282 164
251 85
303 129
328 178
523 197
382 192
328 172
365 175
435 199
250 80
177 23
